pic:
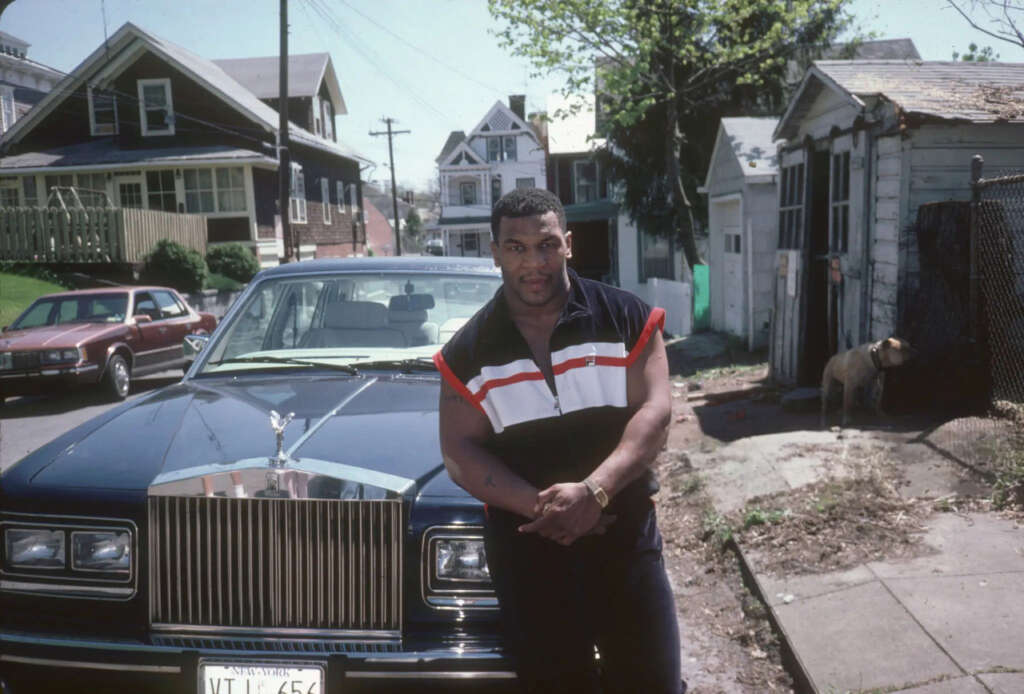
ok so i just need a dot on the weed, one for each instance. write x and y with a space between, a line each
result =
689 484
716 528
758 516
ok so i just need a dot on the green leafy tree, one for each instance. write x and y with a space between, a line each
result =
665 72
413 224
976 55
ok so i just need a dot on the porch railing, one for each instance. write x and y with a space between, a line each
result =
93 235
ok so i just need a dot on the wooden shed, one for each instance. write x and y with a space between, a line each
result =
863 145
741 186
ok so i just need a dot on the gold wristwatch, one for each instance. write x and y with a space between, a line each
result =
599 494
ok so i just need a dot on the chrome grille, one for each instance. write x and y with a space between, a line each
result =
25 360
275 563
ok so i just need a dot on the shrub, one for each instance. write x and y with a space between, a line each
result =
233 260
172 265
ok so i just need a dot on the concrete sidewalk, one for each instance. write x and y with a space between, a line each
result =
949 622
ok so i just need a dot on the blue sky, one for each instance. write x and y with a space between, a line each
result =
431 64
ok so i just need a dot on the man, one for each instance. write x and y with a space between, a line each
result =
554 402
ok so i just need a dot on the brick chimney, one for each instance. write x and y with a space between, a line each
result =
517 102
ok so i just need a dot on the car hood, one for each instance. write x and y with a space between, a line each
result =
381 426
54 336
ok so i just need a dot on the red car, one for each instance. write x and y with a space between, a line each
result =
96 336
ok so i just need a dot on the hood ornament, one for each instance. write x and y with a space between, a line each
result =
279 424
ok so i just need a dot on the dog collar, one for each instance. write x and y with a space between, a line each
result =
875 359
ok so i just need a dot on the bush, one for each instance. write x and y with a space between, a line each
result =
233 260
172 265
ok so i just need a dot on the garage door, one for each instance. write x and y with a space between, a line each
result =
732 270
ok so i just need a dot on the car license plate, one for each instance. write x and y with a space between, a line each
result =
261 678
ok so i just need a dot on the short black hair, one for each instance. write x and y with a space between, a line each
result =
526 202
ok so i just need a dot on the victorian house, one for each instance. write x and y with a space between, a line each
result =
501 153
23 82
144 123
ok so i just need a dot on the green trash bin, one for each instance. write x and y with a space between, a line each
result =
701 299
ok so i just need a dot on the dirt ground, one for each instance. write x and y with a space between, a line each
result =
873 511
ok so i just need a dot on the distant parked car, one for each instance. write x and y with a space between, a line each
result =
98 337
435 247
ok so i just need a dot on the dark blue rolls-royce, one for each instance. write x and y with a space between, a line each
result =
278 521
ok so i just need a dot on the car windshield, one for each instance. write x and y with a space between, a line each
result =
392 320
80 308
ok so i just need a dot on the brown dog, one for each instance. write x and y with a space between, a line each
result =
859 367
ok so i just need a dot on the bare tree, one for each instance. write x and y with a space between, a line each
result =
1000 19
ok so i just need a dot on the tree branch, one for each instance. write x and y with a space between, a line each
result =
974 24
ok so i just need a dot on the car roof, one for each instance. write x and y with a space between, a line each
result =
483 267
102 290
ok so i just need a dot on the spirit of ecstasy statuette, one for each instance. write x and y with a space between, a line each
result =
279 424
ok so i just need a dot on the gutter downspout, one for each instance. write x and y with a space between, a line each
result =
867 259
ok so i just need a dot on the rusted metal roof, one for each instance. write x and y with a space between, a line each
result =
958 91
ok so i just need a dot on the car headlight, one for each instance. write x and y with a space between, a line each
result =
6 361
107 551
460 560
455 571
60 356
35 548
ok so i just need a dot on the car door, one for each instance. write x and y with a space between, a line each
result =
177 321
153 335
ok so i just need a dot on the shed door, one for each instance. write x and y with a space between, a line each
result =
732 270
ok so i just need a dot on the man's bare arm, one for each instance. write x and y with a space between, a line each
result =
464 429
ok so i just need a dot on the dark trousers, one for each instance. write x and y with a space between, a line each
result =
608 591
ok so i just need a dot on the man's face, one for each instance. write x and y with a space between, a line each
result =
532 253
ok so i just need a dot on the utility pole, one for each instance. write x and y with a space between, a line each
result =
284 158
394 193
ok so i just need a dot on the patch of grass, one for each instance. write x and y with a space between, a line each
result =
216 281
17 292
689 484
721 371
759 516
1008 489
716 529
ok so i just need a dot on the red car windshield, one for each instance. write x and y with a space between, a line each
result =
83 308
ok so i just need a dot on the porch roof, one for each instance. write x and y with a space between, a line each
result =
453 221
106 154
591 211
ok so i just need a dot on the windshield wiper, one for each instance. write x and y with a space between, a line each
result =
287 360
405 365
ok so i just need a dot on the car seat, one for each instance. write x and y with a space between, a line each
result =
408 313
355 324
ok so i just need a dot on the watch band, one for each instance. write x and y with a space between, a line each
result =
599 494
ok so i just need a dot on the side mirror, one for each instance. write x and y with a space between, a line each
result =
141 319
192 346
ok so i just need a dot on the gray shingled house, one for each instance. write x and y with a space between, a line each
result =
863 145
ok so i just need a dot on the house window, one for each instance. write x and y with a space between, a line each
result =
160 190
467 193
7 108
340 191
325 194
92 189
8 196
298 195
28 187
732 243
57 181
584 181
501 148
494 149
328 116
656 253
791 207
495 190
102 112
156 110
130 195
230 189
352 201
199 194
525 182
840 227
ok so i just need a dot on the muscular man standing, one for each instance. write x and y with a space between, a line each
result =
554 403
